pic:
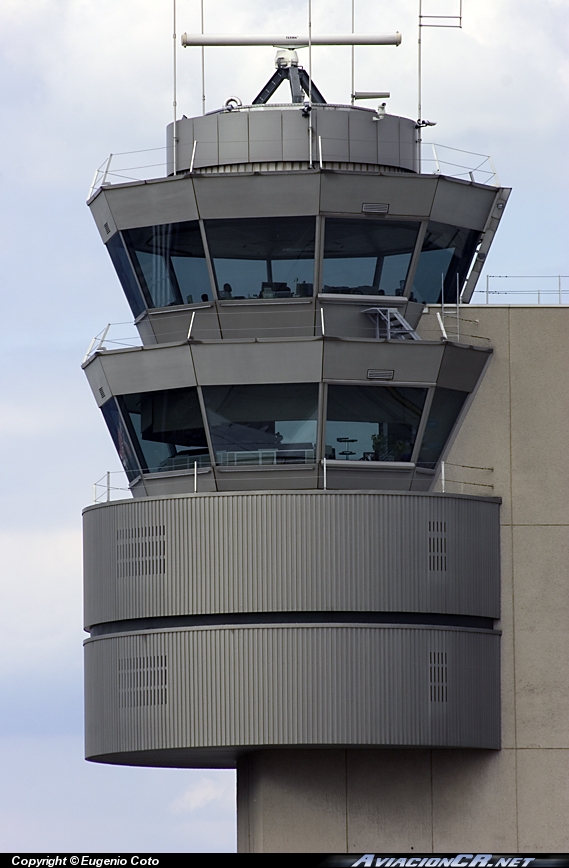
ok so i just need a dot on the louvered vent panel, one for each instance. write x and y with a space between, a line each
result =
375 208
143 681
374 374
438 676
141 551
437 546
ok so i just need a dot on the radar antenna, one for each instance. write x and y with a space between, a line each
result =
286 62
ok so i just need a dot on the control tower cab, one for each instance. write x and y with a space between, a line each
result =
284 575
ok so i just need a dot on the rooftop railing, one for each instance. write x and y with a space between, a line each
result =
456 163
115 336
436 159
523 289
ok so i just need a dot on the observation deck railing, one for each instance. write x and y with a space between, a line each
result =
436 159
115 336
465 479
453 478
456 163
122 335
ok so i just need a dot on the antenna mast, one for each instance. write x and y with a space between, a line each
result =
434 21
175 103
203 64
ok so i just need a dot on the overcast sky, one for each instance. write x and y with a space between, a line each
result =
82 78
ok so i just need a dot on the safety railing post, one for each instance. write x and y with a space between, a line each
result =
191 324
108 485
107 169
195 476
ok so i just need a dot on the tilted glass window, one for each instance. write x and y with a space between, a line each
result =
263 424
167 428
372 423
444 262
123 268
170 263
121 438
367 257
447 404
269 257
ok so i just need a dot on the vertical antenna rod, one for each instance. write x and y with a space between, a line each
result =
310 83
203 65
175 104
353 54
419 61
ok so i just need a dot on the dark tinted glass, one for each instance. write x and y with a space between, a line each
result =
264 424
168 429
367 257
372 423
170 263
123 268
447 404
446 253
121 439
263 258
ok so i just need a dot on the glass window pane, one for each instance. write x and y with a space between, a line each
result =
168 429
367 257
263 258
123 268
263 424
170 263
447 404
372 423
121 439
447 252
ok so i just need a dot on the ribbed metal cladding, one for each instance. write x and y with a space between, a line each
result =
291 551
247 687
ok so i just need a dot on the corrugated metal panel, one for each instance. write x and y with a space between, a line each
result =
295 552
310 685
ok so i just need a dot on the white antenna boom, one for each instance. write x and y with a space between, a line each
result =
200 39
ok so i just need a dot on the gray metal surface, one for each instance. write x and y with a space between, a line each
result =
275 133
140 370
250 361
406 195
284 360
197 690
309 551
470 210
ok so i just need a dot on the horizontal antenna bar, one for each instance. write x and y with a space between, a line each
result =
371 94
200 39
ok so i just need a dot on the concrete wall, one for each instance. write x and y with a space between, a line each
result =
513 444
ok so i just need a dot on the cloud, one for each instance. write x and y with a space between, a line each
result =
201 793
52 800
40 586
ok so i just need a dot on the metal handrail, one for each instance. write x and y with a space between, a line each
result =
471 165
466 168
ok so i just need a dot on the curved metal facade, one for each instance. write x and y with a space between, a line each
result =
291 552
204 696
206 693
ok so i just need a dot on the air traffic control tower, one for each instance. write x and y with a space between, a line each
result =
285 592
